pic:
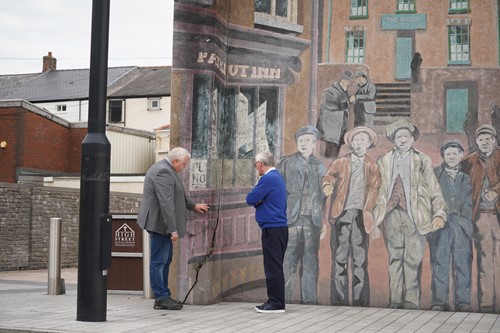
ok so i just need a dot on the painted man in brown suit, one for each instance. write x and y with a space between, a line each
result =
352 182
482 168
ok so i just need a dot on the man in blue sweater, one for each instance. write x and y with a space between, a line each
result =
269 199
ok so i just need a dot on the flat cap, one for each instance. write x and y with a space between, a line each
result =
347 75
361 129
452 144
486 129
361 73
391 130
308 129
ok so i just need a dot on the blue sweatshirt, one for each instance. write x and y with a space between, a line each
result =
269 199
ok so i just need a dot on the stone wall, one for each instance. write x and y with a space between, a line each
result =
25 213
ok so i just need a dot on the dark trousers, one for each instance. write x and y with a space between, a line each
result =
159 266
349 240
274 242
303 247
450 245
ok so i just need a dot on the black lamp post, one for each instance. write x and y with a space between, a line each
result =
94 255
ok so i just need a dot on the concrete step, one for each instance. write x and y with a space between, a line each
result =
393 101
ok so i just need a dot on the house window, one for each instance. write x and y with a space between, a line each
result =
278 15
154 104
359 9
405 6
459 6
355 47
459 45
61 107
230 125
116 111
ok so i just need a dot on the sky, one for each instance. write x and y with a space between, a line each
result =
140 33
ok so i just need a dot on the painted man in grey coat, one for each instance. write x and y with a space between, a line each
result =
364 100
453 243
333 115
163 213
411 204
303 173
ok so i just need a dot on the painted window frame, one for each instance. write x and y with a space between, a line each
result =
355 9
61 108
355 58
218 146
460 10
452 46
400 4
272 21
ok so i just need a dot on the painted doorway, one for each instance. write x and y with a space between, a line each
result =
457 102
404 54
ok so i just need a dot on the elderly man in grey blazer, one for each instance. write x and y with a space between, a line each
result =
163 213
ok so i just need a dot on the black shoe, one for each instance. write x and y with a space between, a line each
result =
395 306
437 308
167 304
260 307
174 300
268 308
464 308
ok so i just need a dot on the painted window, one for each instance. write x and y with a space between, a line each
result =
359 9
115 111
231 125
405 6
355 47
61 108
154 103
459 44
274 7
459 6
277 14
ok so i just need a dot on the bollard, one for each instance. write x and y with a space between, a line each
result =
146 258
55 283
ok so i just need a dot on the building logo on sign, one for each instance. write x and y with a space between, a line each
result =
125 236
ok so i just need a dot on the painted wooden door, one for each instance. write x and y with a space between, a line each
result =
457 101
404 54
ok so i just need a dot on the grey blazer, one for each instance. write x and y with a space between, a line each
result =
164 203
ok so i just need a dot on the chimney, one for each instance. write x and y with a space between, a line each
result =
49 63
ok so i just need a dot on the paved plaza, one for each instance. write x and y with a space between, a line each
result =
26 307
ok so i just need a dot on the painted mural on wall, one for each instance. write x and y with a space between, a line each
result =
389 204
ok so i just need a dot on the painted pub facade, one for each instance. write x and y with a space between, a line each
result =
248 74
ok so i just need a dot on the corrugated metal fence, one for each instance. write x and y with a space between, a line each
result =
132 151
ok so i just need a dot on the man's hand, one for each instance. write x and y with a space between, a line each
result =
376 233
437 223
328 190
352 99
175 236
201 208
323 232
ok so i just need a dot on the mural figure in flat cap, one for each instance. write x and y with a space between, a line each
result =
411 204
482 168
352 182
364 100
303 173
333 115
453 243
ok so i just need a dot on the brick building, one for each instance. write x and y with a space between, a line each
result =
37 140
